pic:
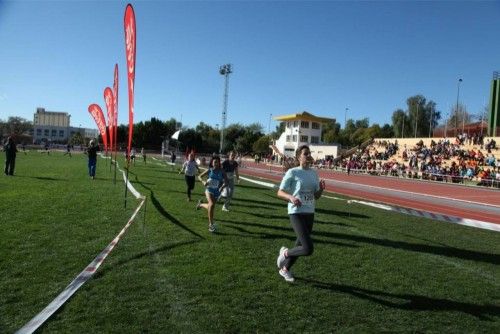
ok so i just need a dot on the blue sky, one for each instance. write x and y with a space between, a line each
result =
287 56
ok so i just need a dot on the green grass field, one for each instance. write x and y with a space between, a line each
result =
372 270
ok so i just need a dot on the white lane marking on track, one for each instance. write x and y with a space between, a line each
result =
401 191
414 193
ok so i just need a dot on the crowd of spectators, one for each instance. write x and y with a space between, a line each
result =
467 158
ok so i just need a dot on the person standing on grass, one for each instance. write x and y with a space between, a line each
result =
10 156
92 155
300 187
215 183
189 168
68 150
230 166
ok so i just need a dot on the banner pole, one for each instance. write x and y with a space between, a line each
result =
126 183
114 179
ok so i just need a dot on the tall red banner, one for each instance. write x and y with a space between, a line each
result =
98 116
109 100
130 37
115 107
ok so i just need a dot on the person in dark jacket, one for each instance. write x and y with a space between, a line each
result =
92 154
10 155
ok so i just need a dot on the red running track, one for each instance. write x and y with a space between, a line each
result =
447 199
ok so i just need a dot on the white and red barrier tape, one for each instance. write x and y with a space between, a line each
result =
431 215
83 277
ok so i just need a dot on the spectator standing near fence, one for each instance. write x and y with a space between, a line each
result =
300 187
10 156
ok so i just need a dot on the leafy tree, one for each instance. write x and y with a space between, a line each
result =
261 146
191 140
330 132
280 128
77 139
387 131
420 117
399 120
15 126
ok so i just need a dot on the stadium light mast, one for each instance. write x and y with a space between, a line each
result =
224 70
416 120
345 118
456 111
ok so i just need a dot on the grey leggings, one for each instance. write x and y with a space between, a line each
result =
302 225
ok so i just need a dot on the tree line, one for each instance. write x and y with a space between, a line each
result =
418 119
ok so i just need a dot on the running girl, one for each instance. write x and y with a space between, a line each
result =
216 181
300 187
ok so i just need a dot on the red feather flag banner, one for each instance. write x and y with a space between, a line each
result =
109 100
130 38
98 116
115 106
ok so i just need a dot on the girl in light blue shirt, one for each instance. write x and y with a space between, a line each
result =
300 187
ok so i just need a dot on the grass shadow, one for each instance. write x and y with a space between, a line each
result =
268 236
407 301
101 273
167 215
156 203
43 178
419 248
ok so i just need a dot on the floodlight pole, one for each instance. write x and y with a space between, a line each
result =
224 70
416 120
430 122
345 118
456 111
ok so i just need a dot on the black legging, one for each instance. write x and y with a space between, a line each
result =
302 224
190 184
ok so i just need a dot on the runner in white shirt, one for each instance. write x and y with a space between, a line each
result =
189 168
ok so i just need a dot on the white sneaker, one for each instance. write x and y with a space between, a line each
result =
287 275
224 208
281 257
212 228
198 206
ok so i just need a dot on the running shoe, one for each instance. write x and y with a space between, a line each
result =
198 206
224 208
287 275
212 228
281 257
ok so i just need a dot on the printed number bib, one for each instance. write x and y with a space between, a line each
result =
211 183
307 198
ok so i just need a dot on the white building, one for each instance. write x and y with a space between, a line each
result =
54 126
304 129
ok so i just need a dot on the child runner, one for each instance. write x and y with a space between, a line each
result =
230 166
216 181
189 168
300 187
